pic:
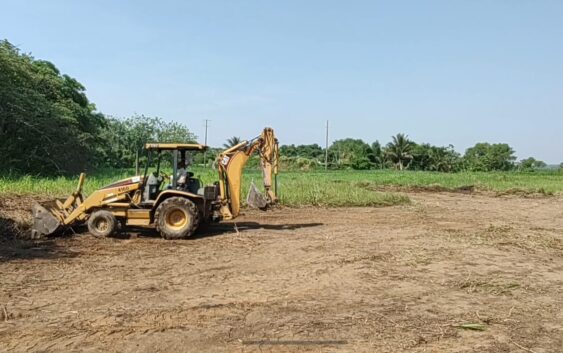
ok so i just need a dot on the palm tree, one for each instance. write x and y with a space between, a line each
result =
233 141
399 151
377 155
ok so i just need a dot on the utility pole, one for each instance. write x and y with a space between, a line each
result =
205 152
326 147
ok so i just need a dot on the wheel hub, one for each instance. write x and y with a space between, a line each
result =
176 219
102 225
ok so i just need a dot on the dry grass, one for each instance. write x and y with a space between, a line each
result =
494 285
532 240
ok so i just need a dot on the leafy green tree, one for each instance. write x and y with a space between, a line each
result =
124 139
298 163
435 158
313 151
377 156
47 124
233 141
350 153
490 157
302 157
399 151
531 164
174 132
446 159
421 156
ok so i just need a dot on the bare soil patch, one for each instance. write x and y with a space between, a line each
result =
397 279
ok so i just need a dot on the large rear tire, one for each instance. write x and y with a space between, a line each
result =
176 218
102 224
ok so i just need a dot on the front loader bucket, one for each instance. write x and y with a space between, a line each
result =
46 219
255 198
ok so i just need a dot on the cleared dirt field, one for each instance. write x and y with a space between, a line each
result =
397 279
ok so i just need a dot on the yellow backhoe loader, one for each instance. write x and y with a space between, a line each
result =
175 205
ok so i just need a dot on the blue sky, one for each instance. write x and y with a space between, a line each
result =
443 72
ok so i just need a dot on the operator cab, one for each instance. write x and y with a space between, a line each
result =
181 178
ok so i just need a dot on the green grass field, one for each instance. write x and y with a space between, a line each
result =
319 188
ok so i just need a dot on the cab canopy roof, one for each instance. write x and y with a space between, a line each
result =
175 146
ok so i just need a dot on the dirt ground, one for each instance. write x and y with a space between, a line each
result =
396 279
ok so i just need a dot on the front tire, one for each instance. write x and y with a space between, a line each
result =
102 224
176 218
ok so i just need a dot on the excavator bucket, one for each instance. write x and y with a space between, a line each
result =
46 219
49 217
255 198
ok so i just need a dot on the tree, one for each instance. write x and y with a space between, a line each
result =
399 151
421 157
302 157
445 159
233 141
489 157
124 139
377 156
530 164
350 153
435 158
47 124
313 151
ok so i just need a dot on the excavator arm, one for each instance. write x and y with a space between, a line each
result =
231 165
